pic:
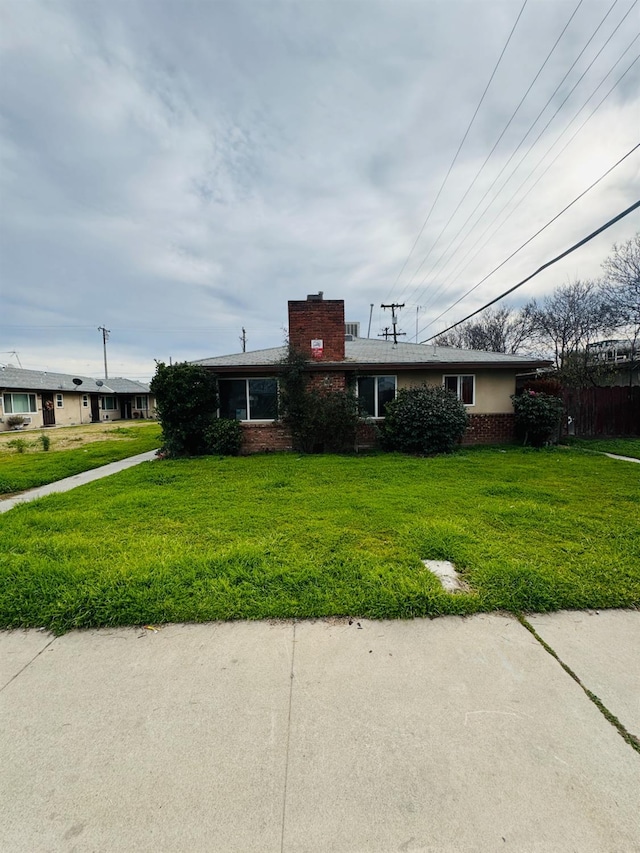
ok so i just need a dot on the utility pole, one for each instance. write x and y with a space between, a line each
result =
105 338
370 316
243 340
394 320
386 333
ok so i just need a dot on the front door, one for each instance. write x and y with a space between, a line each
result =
48 410
95 409
125 408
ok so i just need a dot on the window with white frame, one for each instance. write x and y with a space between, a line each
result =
248 399
141 402
374 392
20 404
59 401
463 386
85 400
108 403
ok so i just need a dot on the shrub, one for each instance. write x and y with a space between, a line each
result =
223 437
320 419
44 440
19 444
545 385
423 420
538 417
14 421
328 423
186 404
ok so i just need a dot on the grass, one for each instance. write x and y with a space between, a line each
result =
294 537
71 451
621 446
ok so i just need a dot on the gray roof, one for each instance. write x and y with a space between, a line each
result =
16 378
370 352
127 386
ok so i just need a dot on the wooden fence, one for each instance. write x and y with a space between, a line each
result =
604 411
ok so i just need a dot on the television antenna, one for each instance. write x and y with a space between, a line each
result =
13 352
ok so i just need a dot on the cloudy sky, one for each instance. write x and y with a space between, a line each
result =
176 170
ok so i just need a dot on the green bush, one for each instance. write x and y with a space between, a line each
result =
18 444
423 420
15 421
223 437
186 404
329 422
321 420
538 417
45 441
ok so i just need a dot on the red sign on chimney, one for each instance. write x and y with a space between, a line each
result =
317 348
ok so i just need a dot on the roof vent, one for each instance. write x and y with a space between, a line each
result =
315 297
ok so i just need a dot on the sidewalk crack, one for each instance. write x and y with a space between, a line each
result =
13 678
286 765
624 733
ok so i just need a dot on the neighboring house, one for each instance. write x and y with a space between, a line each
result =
248 382
622 361
60 399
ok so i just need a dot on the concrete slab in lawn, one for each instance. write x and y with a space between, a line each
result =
603 649
18 649
449 735
141 741
76 480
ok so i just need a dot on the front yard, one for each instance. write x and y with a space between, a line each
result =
295 537
71 451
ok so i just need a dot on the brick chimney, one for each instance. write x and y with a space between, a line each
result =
316 327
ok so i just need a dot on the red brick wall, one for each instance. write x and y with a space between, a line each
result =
319 319
334 381
264 438
274 437
490 429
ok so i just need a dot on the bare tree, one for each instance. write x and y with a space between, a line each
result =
621 288
496 330
566 322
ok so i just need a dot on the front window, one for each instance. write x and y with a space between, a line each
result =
59 401
374 392
464 387
20 404
85 400
141 402
248 399
108 403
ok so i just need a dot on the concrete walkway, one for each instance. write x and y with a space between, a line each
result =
77 480
622 458
428 735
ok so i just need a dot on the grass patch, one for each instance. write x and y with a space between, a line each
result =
35 466
286 536
621 446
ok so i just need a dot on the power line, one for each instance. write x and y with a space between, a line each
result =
520 144
504 130
550 263
453 162
597 107
459 269
526 243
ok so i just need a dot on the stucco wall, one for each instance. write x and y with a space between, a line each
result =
71 413
493 387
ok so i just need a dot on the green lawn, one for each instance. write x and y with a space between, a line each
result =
621 446
37 467
285 536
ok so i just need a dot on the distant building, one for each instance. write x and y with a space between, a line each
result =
46 399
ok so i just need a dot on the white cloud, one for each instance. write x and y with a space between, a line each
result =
181 175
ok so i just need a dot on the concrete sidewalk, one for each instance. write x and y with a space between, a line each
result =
428 735
77 480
